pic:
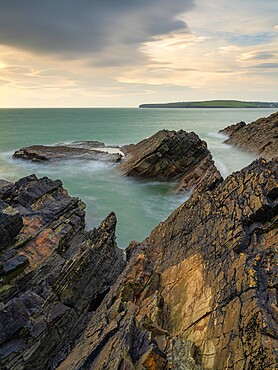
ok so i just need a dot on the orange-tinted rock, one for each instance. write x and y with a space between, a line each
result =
199 292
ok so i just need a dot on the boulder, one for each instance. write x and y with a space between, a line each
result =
170 155
259 137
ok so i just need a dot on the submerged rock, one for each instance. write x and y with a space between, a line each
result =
259 137
171 155
53 273
76 150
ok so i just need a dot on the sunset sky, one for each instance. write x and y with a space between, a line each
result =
86 53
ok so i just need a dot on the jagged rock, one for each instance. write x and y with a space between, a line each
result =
200 291
259 137
171 155
77 150
53 273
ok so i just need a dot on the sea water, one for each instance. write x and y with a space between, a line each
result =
139 205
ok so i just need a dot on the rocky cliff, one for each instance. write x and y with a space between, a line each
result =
53 273
199 293
259 137
171 155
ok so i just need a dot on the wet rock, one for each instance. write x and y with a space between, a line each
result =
171 155
79 150
54 274
259 137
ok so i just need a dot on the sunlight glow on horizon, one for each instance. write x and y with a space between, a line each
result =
227 52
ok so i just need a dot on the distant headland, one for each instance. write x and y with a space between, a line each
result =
213 104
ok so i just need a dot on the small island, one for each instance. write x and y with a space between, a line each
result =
213 104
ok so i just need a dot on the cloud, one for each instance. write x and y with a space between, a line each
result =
257 55
69 27
265 65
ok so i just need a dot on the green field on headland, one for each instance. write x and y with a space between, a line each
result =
213 104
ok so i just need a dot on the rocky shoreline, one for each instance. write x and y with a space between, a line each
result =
199 293
259 137
167 155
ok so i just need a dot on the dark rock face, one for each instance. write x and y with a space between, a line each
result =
10 224
77 150
171 155
259 137
53 273
200 291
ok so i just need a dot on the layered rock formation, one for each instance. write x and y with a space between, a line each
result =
172 155
167 155
54 275
198 293
75 150
259 137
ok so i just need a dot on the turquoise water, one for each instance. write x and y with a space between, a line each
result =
139 205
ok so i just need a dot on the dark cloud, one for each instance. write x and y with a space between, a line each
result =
71 27
262 56
265 65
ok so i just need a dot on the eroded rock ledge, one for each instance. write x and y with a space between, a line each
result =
198 293
259 137
171 155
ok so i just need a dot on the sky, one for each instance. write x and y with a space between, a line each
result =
108 53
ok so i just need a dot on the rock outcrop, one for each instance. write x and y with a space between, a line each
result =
259 137
53 273
171 155
199 293
75 150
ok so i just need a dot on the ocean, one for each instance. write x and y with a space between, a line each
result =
139 205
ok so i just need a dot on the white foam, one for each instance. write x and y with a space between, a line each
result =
109 150
221 167
218 135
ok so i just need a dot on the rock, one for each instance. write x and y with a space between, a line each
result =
171 155
78 150
259 137
4 183
200 291
10 224
53 273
